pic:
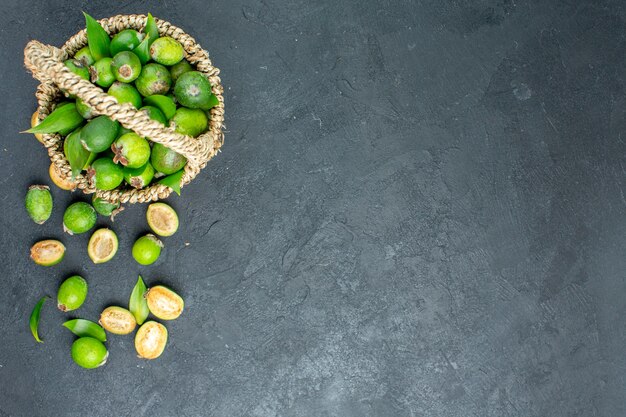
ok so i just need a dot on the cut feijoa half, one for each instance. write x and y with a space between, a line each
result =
162 219
102 245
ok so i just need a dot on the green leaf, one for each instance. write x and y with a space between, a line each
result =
173 181
34 318
76 154
97 38
213 101
163 103
82 328
151 29
63 119
137 304
143 50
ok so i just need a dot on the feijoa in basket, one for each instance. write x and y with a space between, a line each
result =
131 108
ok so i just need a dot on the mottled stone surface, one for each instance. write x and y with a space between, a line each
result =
419 211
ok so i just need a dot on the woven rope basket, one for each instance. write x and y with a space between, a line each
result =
46 64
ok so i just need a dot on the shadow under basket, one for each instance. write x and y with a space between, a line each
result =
46 64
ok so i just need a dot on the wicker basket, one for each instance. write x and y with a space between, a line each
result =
46 64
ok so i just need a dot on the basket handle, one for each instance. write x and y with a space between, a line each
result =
46 64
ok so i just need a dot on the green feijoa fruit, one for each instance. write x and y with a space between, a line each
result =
102 246
64 119
103 207
164 103
99 134
47 252
155 114
75 152
193 90
179 69
89 352
121 132
34 318
72 293
79 218
131 150
165 160
125 93
39 203
126 66
97 38
166 51
190 122
85 111
154 79
86 328
84 56
101 73
77 68
126 40
147 249
139 177
104 174
150 29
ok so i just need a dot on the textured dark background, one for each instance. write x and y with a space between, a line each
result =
419 211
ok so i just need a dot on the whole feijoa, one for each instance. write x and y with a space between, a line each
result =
126 66
99 134
179 69
166 51
125 40
101 73
89 352
104 207
190 122
104 174
154 79
193 90
131 150
155 114
39 203
139 177
147 249
72 293
77 68
165 160
47 252
164 303
84 56
117 320
150 340
125 93
84 109
79 218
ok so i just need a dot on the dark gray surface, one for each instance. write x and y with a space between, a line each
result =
419 211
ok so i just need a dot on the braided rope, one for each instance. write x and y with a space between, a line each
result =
46 65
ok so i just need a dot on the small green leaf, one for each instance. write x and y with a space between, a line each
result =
163 103
173 181
151 29
82 328
34 318
213 101
63 119
76 154
143 50
137 304
97 38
